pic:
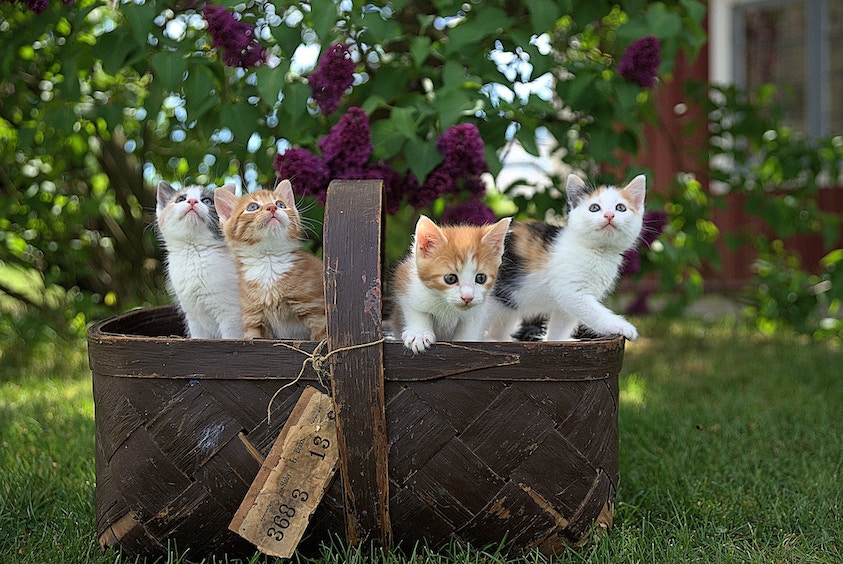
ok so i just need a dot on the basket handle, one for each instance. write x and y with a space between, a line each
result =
352 257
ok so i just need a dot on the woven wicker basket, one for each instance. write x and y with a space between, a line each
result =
475 441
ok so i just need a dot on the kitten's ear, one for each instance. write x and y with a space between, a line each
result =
224 202
284 190
575 189
428 236
163 193
496 235
230 187
636 190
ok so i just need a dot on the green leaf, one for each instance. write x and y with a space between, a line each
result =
241 119
626 94
403 120
113 49
527 138
59 120
419 50
70 87
141 19
453 74
833 258
294 105
663 23
451 104
386 140
377 30
577 88
324 17
288 38
469 33
271 82
390 83
422 157
169 68
199 91
543 13
601 143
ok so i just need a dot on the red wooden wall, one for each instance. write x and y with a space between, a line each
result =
679 145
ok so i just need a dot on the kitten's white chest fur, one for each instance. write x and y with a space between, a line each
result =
204 280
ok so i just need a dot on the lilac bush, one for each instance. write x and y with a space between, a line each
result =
235 39
349 143
306 171
471 212
333 76
640 62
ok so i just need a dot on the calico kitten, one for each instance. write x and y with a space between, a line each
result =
201 274
441 288
563 273
281 288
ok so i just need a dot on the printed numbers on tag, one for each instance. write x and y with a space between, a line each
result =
322 443
285 512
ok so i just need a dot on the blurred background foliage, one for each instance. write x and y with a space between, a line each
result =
98 101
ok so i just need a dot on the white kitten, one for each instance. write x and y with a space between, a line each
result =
201 273
563 273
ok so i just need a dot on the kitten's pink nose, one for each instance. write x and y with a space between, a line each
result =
467 299
193 201
609 215
271 208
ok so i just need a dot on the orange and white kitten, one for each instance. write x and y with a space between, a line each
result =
441 288
281 289
564 273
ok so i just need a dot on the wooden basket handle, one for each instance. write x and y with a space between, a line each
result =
352 258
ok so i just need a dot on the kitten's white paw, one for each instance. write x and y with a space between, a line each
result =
628 330
418 342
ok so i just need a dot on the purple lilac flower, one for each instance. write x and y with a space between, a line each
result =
234 38
305 170
437 183
640 62
472 212
348 145
332 77
393 182
631 261
462 149
35 6
474 185
654 223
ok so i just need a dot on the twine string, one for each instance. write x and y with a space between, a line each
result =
318 361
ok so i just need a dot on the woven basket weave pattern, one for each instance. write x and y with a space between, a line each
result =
476 459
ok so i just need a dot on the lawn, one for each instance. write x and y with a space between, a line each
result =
731 450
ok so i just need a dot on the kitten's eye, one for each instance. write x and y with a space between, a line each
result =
620 207
281 205
594 208
450 279
207 201
480 278
252 207
181 198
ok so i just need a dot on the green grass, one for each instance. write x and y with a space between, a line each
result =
731 450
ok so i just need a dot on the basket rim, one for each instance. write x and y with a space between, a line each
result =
115 353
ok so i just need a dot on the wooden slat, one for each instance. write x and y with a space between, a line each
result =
114 354
353 222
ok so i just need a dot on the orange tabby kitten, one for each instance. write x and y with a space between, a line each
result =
441 288
281 288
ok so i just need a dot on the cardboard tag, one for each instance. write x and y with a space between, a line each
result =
292 481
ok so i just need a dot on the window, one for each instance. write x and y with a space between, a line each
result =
795 45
